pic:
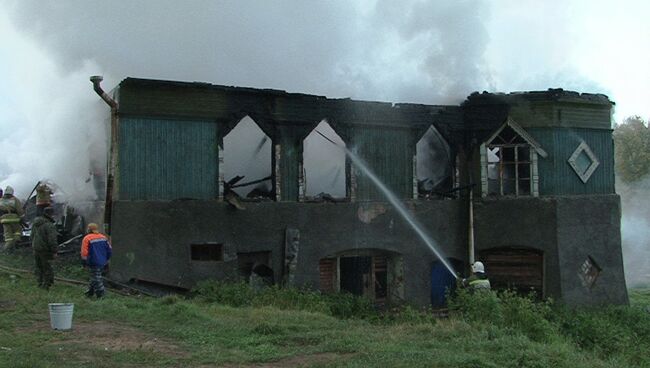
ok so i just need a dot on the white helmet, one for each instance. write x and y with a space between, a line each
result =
478 267
9 190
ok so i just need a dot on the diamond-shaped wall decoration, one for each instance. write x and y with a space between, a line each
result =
588 272
583 161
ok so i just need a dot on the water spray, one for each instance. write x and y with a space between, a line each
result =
397 204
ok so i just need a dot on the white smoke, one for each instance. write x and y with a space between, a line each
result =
54 127
51 126
434 52
635 231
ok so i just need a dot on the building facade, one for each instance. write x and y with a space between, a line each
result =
191 201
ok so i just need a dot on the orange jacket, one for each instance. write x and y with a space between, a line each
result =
95 250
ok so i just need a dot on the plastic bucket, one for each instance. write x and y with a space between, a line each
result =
61 315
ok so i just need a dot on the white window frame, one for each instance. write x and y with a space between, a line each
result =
535 150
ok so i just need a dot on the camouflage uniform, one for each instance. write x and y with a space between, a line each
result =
44 243
10 212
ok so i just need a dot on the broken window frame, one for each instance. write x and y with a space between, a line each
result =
502 166
348 175
520 140
384 265
451 163
222 154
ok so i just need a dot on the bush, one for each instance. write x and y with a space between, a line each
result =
505 310
228 293
613 330
482 307
240 294
528 316
344 305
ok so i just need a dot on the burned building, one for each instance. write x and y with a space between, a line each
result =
539 165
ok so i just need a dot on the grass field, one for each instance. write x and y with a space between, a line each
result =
290 328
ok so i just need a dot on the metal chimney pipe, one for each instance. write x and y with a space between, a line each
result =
96 80
112 159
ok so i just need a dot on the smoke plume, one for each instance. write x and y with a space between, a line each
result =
53 126
635 231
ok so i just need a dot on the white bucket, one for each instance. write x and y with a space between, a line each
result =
61 315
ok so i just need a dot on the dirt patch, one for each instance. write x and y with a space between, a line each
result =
110 337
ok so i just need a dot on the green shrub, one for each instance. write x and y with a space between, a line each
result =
240 294
222 292
611 331
290 298
345 305
526 315
520 314
482 307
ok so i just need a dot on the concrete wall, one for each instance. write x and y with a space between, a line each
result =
589 226
521 223
152 239
567 229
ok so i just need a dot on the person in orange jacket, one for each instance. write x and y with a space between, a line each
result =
96 252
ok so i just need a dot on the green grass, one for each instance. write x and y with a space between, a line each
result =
299 328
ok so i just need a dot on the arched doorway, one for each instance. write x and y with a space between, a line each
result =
515 268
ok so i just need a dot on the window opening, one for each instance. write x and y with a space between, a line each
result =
509 164
247 162
323 165
589 272
433 166
206 252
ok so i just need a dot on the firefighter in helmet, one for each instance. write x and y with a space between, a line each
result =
11 210
478 280
43 198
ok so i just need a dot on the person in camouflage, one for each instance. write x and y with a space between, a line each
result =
11 210
45 245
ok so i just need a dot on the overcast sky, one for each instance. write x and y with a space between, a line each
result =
433 52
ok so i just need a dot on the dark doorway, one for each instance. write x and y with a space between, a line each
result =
380 271
247 261
355 274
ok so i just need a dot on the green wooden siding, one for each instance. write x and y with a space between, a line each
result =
556 175
167 159
389 153
289 168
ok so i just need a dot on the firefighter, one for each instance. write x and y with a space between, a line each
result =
479 280
45 246
95 252
43 198
11 210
